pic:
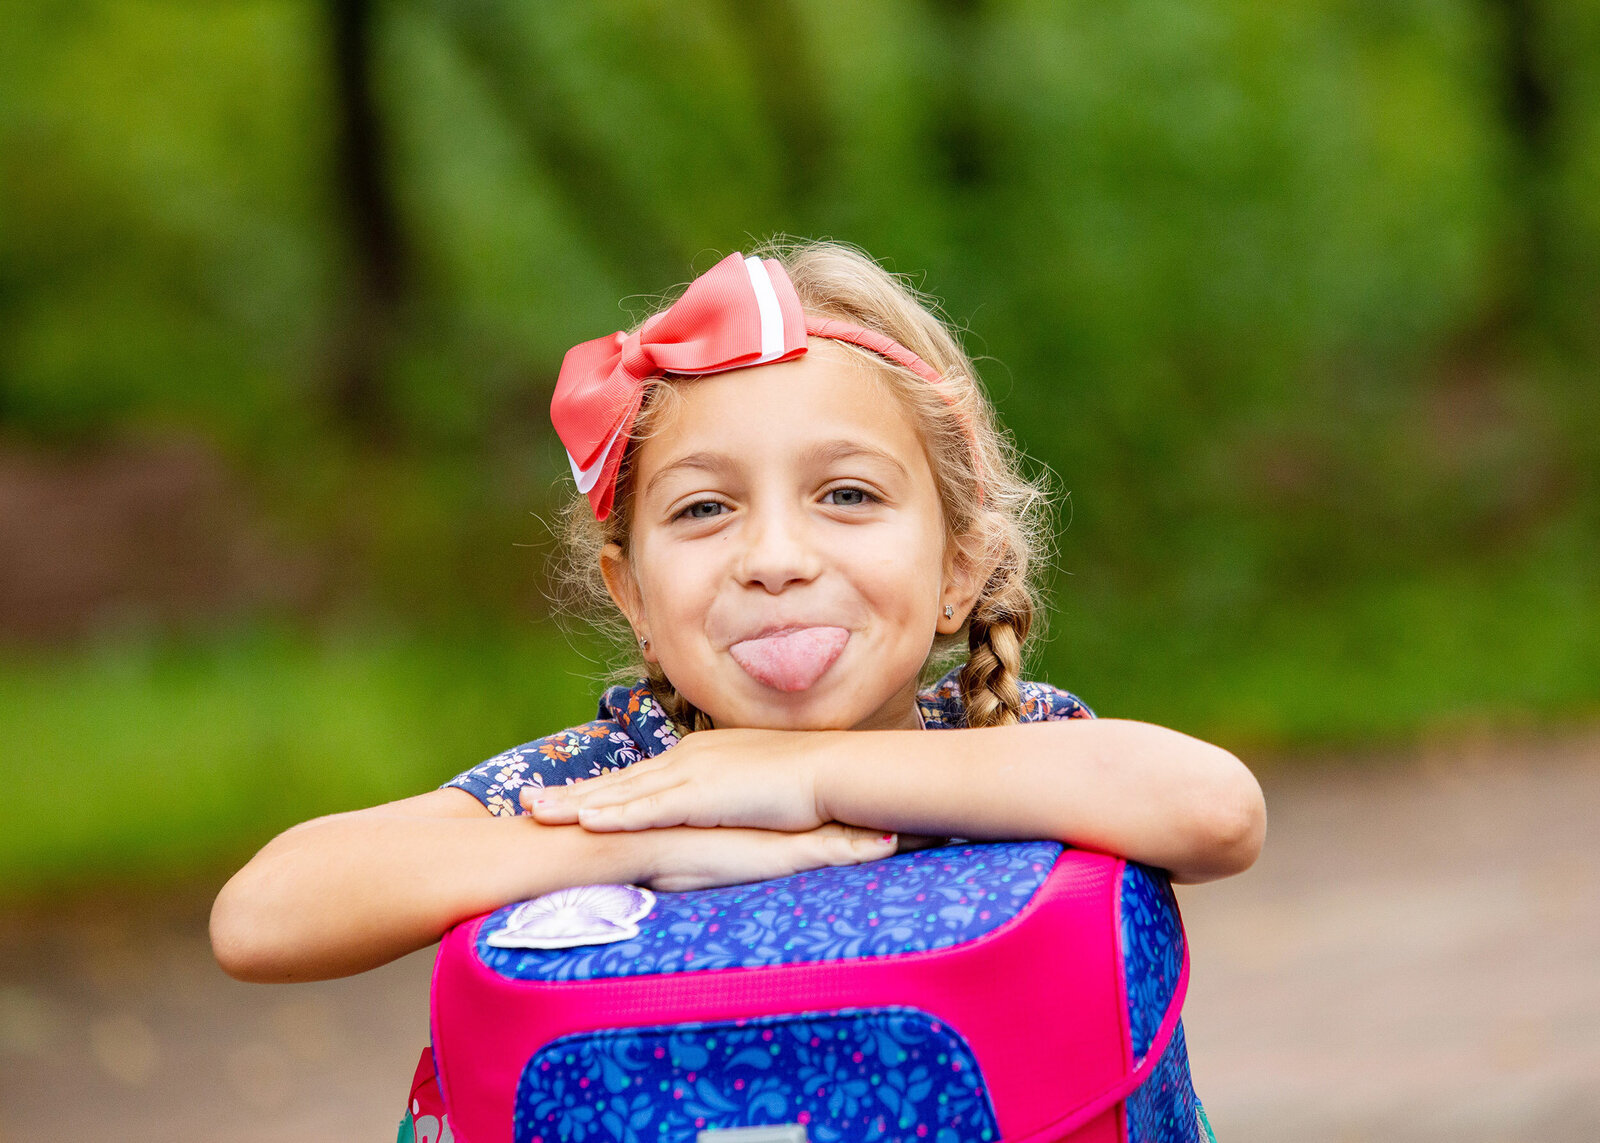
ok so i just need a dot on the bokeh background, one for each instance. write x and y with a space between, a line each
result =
1298 303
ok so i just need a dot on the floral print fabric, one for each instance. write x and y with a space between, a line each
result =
914 902
631 725
852 1076
1152 951
1163 1109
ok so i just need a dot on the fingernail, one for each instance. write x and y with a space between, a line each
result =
888 837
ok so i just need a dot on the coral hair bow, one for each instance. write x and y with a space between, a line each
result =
741 312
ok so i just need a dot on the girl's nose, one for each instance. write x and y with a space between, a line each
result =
776 551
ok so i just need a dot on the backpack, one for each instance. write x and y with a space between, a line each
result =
1001 993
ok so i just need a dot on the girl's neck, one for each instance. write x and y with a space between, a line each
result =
900 713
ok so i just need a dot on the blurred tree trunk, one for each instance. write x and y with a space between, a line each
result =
372 226
1527 91
1527 103
584 174
787 89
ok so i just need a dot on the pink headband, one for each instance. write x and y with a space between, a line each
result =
741 312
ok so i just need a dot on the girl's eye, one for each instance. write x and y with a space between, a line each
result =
702 510
848 497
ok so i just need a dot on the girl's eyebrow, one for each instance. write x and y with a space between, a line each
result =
817 455
714 462
832 452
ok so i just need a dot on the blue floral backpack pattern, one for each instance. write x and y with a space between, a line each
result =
1005 993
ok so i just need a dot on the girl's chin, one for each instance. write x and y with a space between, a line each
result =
820 707
791 718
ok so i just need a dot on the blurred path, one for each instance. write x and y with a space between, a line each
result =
116 1024
1416 959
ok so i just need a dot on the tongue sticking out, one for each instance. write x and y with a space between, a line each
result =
790 660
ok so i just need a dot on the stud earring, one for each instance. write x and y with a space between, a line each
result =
949 611
644 642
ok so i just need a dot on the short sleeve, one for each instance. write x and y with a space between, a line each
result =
585 751
1042 702
942 707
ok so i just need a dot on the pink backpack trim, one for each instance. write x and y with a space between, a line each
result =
486 1027
1118 1092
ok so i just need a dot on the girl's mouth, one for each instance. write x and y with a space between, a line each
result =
790 660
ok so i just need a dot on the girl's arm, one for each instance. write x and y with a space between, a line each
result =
345 893
1139 791
1133 789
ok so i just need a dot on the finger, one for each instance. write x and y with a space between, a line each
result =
561 805
548 806
599 784
851 845
554 805
651 811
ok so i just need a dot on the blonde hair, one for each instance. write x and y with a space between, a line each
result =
993 513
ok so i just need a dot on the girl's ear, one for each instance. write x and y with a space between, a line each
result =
967 570
624 591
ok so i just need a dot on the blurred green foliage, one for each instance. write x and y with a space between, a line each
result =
1299 302
168 760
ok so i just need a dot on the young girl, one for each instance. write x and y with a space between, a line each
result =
798 499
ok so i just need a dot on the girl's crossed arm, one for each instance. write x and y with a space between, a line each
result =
1130 788
348 892
352 891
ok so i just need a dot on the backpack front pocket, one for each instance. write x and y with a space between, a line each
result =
851 1076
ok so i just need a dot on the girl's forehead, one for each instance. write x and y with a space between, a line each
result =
782 409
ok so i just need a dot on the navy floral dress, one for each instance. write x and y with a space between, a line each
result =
631 725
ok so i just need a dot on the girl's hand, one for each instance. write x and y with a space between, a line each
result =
706 858
761 779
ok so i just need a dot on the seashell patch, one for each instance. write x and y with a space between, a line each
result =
567 918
